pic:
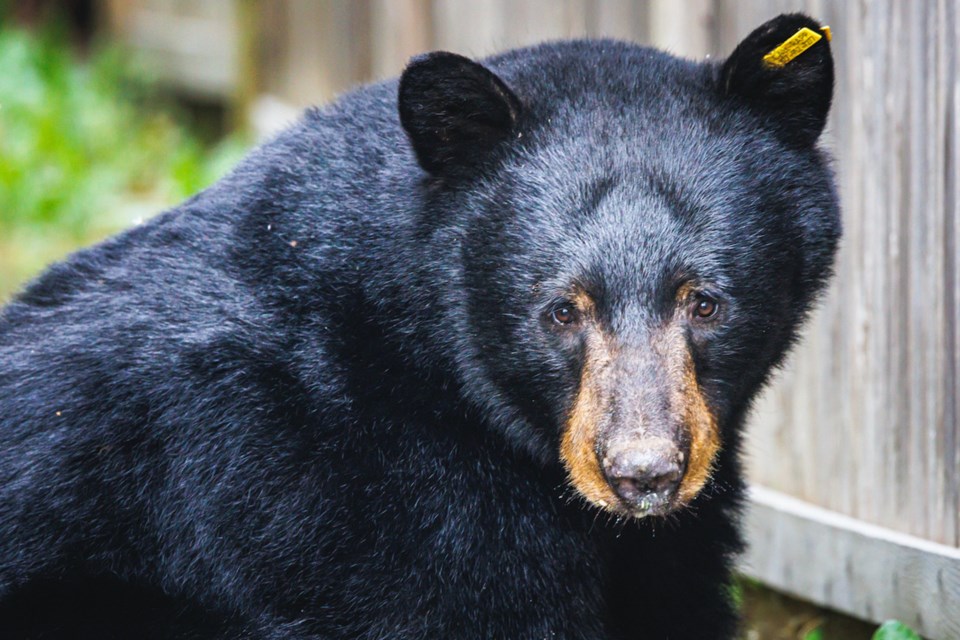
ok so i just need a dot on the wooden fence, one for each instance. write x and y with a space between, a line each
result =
865 420
855 451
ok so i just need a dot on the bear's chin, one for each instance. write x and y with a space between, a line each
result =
646 507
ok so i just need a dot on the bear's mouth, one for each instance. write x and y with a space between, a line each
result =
651 505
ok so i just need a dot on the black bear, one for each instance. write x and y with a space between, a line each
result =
463 355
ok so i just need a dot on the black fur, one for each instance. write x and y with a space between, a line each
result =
318 399
797 96
454 110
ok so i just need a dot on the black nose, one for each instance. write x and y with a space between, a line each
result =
644 475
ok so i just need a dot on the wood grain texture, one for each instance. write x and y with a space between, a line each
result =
864 418
193 46
840 562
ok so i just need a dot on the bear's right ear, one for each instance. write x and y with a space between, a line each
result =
784 69
454 110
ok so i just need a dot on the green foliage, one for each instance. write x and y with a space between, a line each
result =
814 634
86 147
735 592
895 630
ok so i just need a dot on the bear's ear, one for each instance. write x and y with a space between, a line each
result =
454 110
784 69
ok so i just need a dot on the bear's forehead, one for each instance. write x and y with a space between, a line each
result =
605 77
641 243
621 235
634 228
637 177
632 166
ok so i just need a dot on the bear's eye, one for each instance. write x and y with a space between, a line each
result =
705 307
564 313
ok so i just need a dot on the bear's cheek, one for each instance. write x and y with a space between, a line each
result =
579 449
701 430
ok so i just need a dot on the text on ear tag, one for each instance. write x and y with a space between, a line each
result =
794 46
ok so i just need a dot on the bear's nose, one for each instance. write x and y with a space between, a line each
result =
645 475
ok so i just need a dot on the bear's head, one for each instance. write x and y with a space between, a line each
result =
637 240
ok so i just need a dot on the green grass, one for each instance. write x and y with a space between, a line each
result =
87 147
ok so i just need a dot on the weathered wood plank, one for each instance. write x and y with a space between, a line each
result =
399 30
685 29
951 173
470 28
191 45
621 19
864 419
845 564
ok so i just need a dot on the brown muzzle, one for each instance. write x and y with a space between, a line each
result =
640 439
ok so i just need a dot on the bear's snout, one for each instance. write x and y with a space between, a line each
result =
645 474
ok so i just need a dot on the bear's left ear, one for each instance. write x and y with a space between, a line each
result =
785 69
454 110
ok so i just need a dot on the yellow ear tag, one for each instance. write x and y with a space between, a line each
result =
793 47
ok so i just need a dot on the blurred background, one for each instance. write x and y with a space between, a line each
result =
111 110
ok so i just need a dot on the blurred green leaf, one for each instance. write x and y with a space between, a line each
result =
735 593
814 634
86 148
895 630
